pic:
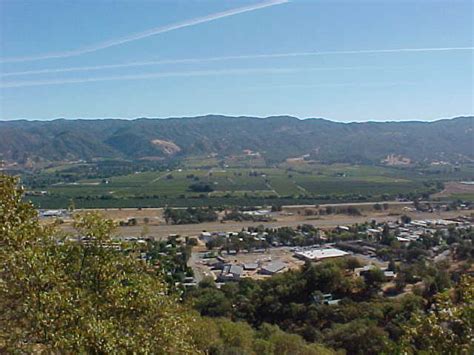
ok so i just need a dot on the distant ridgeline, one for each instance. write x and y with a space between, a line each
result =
273 139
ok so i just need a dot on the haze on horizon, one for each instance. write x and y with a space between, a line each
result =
344 61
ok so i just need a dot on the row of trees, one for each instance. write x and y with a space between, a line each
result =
189 215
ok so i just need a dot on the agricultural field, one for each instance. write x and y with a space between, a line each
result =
204 183
456 190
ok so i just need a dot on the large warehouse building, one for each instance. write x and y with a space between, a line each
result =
320 254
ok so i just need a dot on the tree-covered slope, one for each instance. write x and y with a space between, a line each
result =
276 138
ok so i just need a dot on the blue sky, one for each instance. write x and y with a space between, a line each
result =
360 83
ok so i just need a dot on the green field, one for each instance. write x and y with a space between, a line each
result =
285 183
270 181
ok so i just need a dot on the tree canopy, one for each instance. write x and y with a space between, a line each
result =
59 293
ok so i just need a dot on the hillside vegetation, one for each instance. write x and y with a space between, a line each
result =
273 138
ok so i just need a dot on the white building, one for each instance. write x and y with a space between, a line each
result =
320 254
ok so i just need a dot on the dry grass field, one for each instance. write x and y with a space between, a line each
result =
290 216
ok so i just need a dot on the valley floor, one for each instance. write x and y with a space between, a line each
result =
289 216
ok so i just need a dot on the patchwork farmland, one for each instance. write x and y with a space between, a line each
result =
283 184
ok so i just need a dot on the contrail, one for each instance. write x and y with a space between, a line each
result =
345 84
236 57
145 34
16 84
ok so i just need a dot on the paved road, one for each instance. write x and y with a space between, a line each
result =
200 270
193 263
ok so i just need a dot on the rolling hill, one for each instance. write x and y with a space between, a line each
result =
275 138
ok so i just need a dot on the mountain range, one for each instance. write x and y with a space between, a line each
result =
274 138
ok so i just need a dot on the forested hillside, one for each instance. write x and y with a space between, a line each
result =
274 138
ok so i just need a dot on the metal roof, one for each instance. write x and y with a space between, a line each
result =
274 267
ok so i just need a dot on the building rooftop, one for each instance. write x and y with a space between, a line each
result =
319 254
250 266
236 269
274 267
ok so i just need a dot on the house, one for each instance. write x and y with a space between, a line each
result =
403 240
419 223
374 231
221 258
389 275
392 225
205 237
361 271
215 264
53 213
321 298
326 298
251 266
231 272
273 268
